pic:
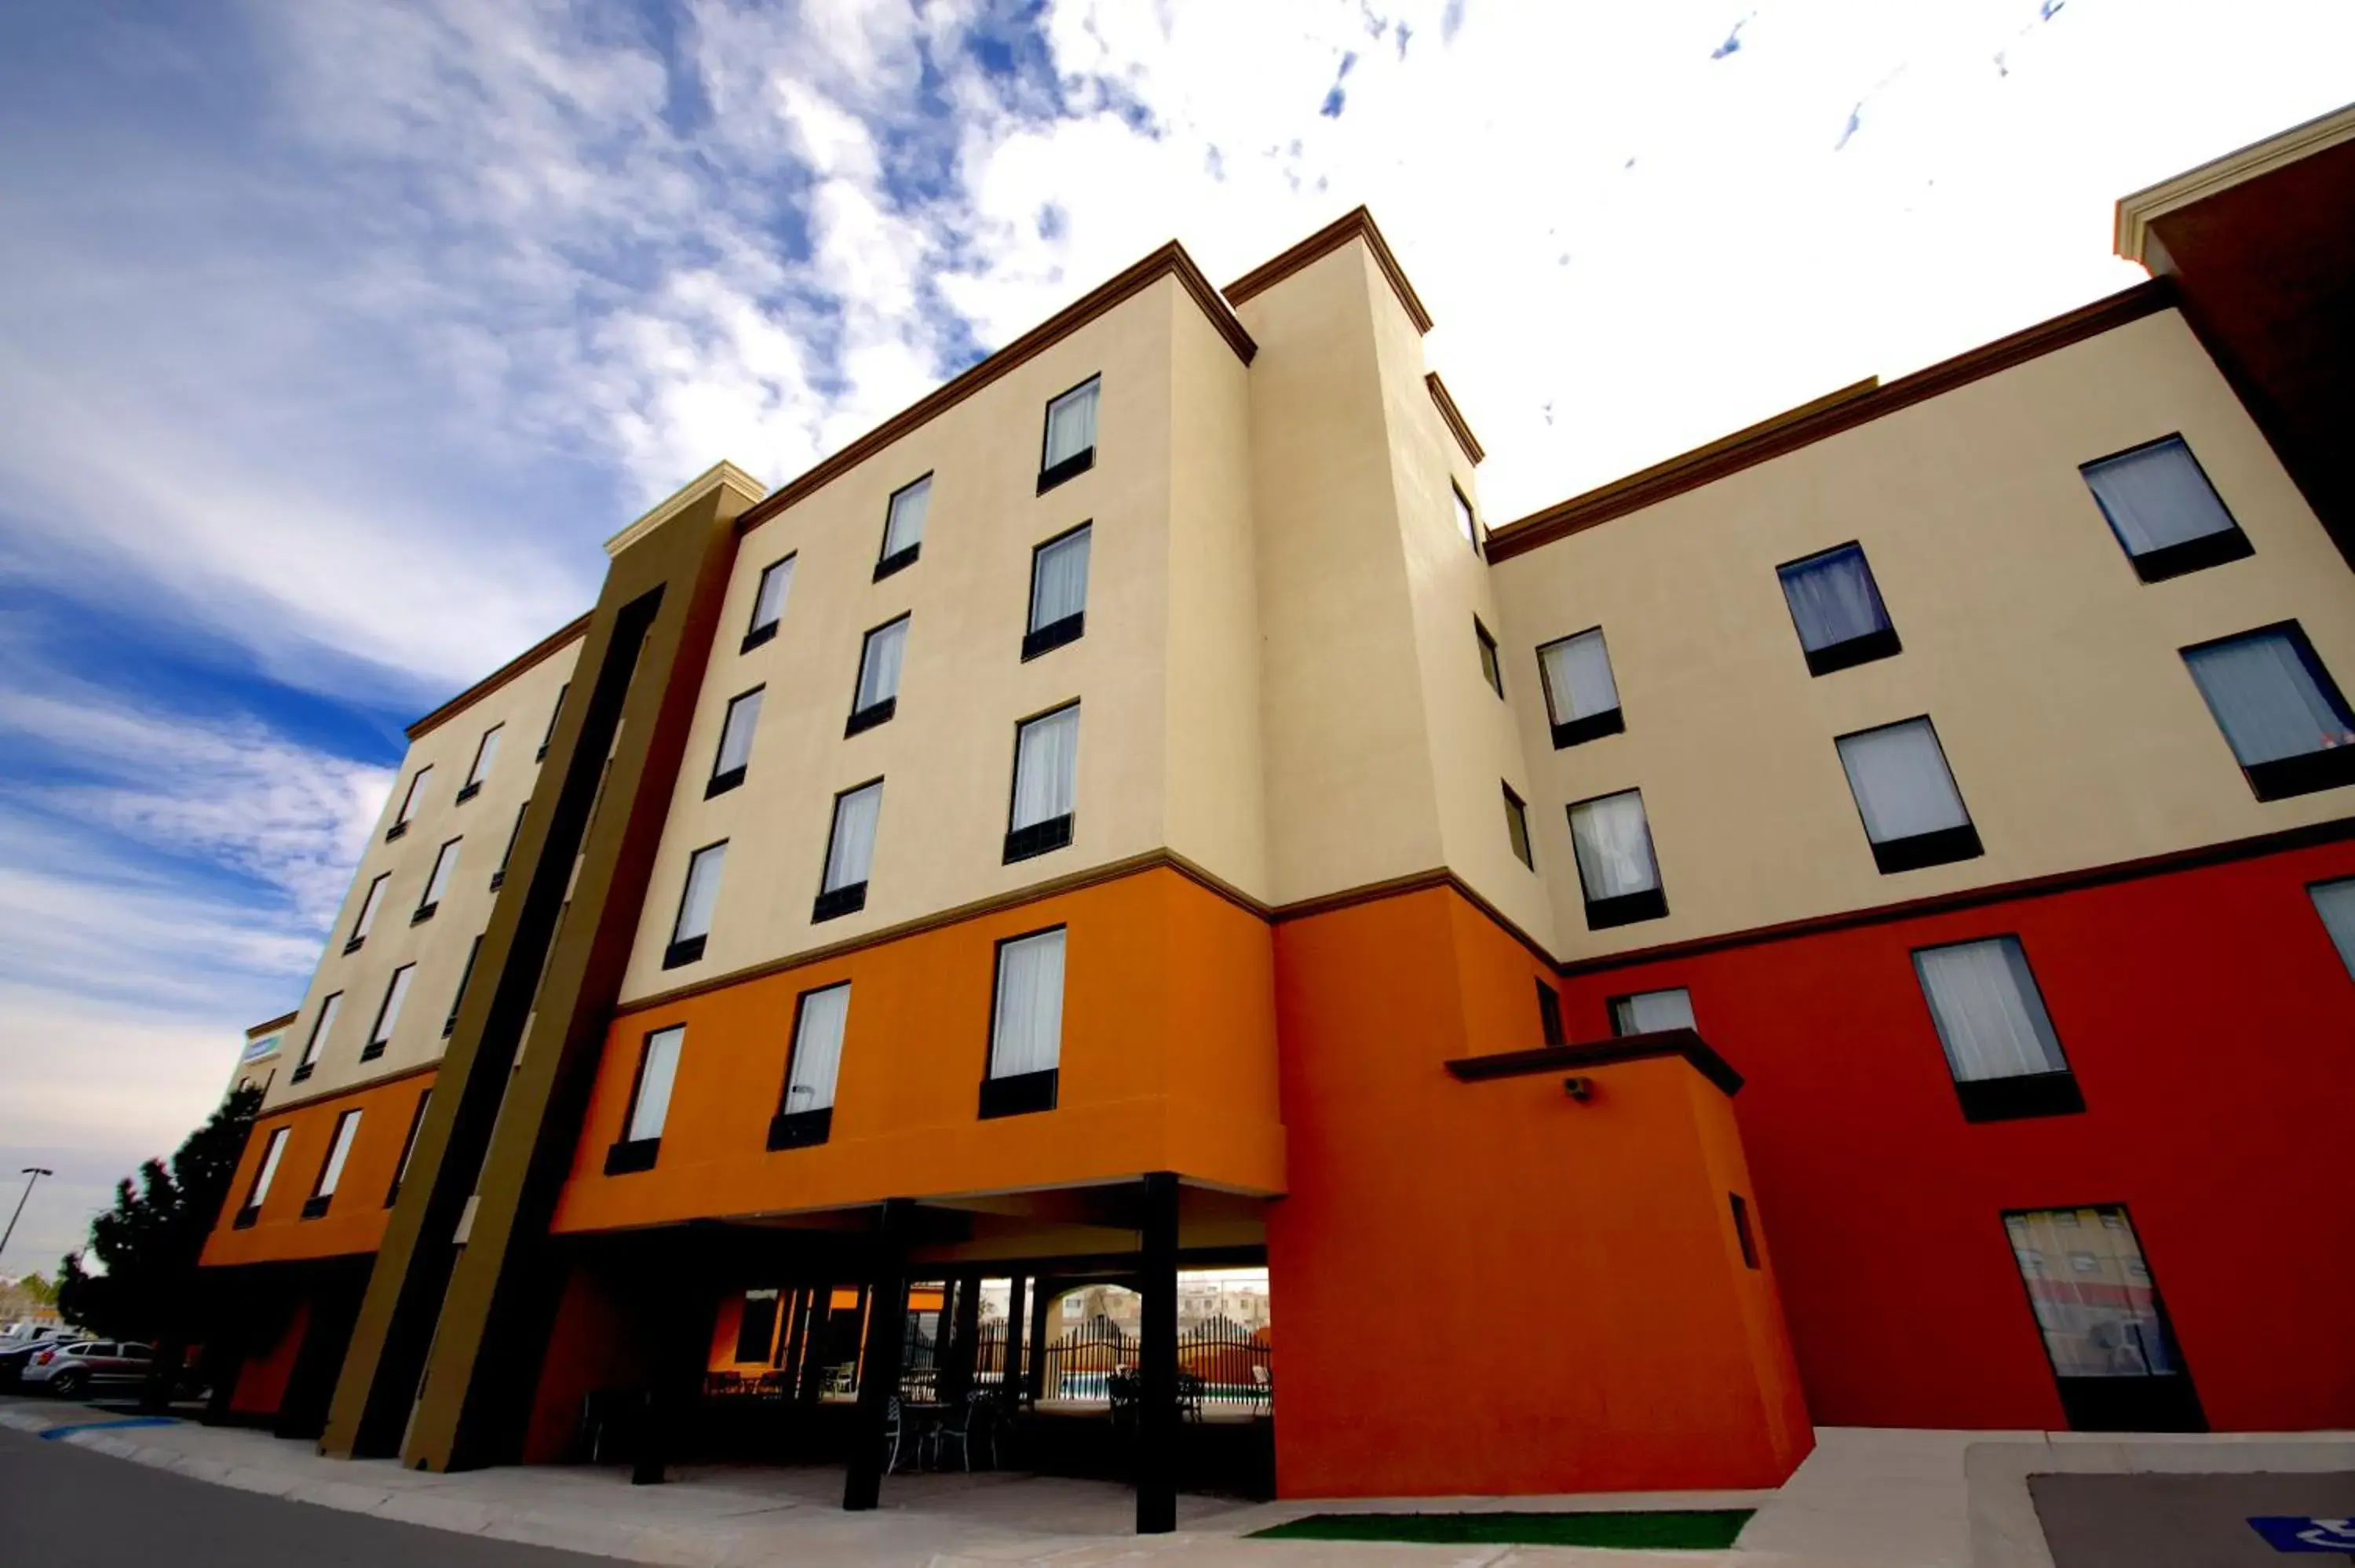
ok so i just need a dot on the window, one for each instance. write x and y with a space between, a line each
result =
389 1015
1058 592
499 877
1549 1029
1650 1012
1911 811
1026 1026
1742 1233
1836 607
849 852
1466 523
2166 516
323 1027
408 1148
904 527
1516 827
408 803
696 898
756 1328
2335 902
807 1114
1616 870
1998 1040
769 603
2279 710
1046 769
1489 670
642 1124
270 1151
367 913
450 1024
445 860
2104 1329
878 696
1070 447
339 1149
548 738
735 743
486 751
1581 699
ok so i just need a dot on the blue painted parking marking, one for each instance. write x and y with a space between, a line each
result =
55 1433
2299 1533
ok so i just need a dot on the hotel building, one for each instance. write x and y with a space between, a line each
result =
1851 925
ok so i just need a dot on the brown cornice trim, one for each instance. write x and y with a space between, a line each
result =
1355 223
1972 898
1811 422
1170 261
1455 418
270 1113
1093 876
1681 1042
1415 882
275 1022
501 676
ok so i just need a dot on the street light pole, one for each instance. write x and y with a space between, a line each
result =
33 1174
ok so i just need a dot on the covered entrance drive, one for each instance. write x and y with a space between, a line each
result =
1118 1331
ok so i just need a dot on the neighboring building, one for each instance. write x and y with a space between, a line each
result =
1852 925
263 1052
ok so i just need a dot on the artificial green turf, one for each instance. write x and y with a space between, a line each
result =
1694 1529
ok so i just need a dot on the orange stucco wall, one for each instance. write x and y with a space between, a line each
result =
1168 1064
354 1222
1512 1292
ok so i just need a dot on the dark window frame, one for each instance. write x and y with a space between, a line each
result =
684 950
369 909
789 1128
330 1005
1036 639
2190 555
251 1210
2090 1409
514 834
720 782
874 714
1516 827
427 903
2017 1096
1077 463
1743 1235
1550 1029
1578 731
409 808
1915 851
554 714
627 1155
1019 1093
851 896
888 561
2306 772
408 1147
1611 1004
1471 514
466 977
756 632
1492 668
1848 652
1043 837
377 1040
475 776
1624 909
317 1202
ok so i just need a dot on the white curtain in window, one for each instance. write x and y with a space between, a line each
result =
1833 598
1071 423
1649 1011
368 909
1059 581
321 1030
736 735
878 666
1991 1017
1900 782
768 601
694 905
2157 497
1614 846
853 847
393 998
269 1168
2266 700
905 527
1578 677
655 1077
2335 902
1046 762
485 753
818 1049
2091 1292
347 1127
1466 524
416 788
1028 1034
444 864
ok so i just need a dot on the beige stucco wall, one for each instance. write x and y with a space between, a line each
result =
946 756
2050 672
438 945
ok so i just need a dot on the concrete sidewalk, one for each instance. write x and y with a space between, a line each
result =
1867 1497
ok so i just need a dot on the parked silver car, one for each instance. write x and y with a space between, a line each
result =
73 1370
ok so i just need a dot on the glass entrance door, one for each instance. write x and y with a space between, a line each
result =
2105 1329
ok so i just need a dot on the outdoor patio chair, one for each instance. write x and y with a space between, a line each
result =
969 1424
894 1424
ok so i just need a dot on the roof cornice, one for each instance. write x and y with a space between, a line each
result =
2136 212
1455 418
553 642
721 475
1355 223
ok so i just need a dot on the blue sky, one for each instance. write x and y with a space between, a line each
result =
336 334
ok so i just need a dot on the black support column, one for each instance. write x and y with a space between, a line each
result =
1156 1357
1010 1365
1036 1371
879 1368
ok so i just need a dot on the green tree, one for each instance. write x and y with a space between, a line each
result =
149 1242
